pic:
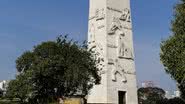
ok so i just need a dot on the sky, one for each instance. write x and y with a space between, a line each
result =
26 23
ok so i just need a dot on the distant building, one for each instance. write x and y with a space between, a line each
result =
4 85
147 84
177 93
170 95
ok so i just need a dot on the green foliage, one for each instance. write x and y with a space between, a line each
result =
19 88
56 68
176 101
1 93
150 95
171 101
173 49
25 61
10 102
178 22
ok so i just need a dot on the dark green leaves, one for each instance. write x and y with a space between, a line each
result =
173 49
150 95
58 68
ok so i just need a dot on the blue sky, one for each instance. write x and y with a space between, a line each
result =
25 23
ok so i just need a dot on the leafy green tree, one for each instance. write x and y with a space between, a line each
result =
59 68
150 95
173 49
24 62
19 88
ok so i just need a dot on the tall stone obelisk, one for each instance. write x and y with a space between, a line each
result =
110 35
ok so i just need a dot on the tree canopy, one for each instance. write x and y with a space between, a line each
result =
19 88
171 101
1 92
150 95
173 49
59 68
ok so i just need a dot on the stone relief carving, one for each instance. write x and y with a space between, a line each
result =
113 9
117 69
100 27
116 25
128 28
101 59
95 46
100 14
125 15
92 33
111 45
110 61
123 50
128 54
91 18
121 45
131 73
98 51
117 29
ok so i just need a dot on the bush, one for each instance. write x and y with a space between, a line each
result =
172 101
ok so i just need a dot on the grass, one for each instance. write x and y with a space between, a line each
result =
9 102
6 101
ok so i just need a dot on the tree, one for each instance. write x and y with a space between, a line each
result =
59 68
24 62
1 93
172 101
173 49
19 88
150 95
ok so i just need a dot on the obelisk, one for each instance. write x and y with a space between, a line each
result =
110 35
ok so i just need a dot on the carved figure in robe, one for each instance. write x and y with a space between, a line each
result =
121 45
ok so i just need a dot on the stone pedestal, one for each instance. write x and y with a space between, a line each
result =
110 35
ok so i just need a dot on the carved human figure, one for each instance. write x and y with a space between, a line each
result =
116 29
121 45
92 43
116 25
92 33
123 50
100 58
117 69
98 52
128 53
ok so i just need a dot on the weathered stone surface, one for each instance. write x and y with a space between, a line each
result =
110 34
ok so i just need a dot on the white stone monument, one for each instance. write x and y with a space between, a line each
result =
110 35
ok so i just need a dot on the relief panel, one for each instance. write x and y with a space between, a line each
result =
117 69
